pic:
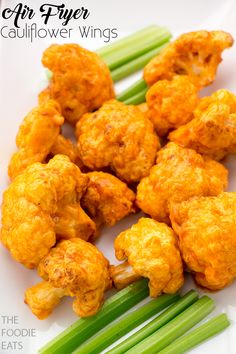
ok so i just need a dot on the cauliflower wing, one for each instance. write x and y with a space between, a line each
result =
31 208
178 175
196 54
171 103
36 136
119 137
151 249
212 132
73 268
107 199
39 139
206 229
81 81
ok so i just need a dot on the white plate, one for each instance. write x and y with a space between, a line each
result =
22 77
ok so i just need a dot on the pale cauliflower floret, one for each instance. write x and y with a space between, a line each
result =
151 249
196 54
32 208
81 81
73 268
212 132
119 137
178 175
171 103
206 229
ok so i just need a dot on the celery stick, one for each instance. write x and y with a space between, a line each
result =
126 41
132 90
85 328
121 57
197 336
135 64
175 328
116 330
138 98
174 310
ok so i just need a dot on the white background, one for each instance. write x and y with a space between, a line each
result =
22 77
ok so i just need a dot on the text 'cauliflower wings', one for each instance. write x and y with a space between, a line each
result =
171 103
196 54
179 174
73 268
206 227
151 250
107 199
119 137
212 132
42 202
81 81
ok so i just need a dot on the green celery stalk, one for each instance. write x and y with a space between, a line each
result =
116 330
127 41
132 90
135 64
175 328
140 97
197 336
118 58
85 328
174 310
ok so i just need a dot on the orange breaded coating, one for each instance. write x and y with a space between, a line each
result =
178 175
81 81
39 139
63 146
212 132
206 227
119 137
32 208
151 249
73 268
196 54
171 103
107 199
36 136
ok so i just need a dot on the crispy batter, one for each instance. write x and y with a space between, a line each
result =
32 205
171 103
63 146
107 199
36 136
212 132
151 249
73 268
179 174
196 54
207 234
119 137
81 81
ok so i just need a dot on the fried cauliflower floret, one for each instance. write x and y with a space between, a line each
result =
73 268
63 146
178 175
212 132
81 81
196 54
206 229
151 249
36 136
171 103
119 137
32 208
107 199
